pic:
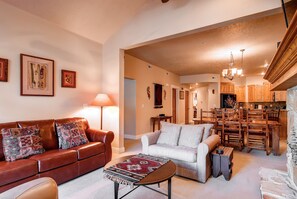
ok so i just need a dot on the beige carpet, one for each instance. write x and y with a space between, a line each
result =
244 183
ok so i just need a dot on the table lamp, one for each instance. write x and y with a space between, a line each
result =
101 100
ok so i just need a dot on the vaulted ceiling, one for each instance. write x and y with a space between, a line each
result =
206 51
209 51
94 19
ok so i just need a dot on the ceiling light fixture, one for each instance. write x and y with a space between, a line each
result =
232 71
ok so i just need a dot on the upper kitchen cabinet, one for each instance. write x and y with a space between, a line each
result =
280 96
255 93
227 88
267 94
240 93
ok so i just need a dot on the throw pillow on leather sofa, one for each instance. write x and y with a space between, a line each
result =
60 164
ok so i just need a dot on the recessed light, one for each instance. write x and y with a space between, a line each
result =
266 65
263 73
196 84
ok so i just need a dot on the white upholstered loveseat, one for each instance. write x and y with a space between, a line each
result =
188 146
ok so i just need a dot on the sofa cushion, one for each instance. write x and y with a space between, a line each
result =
54 158
190 135
47 132
207 131
70 135
19 143
89 149
84 123
182 153
169 134
7 126
17 170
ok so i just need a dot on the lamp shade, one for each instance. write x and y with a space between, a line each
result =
102 100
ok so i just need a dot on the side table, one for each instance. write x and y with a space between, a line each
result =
222 163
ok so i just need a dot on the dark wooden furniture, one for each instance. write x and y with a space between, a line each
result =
273 126
273 115
158 119
205 114
257 133
232 131
162 174
222 163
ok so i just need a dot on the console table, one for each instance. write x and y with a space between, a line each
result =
158 119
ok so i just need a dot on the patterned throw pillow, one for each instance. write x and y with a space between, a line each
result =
19 143
71 135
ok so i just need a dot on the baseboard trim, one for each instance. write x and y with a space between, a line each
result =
132 137
118 150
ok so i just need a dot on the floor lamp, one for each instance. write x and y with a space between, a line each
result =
101 100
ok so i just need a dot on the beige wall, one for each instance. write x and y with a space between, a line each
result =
146 76
167 20
24 33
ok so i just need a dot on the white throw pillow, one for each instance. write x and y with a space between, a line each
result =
169 134
190 135
207 132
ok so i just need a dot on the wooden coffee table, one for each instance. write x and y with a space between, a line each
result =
164 173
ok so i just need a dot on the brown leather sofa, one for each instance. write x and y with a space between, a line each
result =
60 164
34 189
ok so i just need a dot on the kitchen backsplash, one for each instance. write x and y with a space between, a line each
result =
263 105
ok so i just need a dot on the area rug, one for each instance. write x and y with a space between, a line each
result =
133 169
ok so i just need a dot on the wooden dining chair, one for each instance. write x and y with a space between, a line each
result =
217 119
232 132
257 131
273 115
255 114
206 116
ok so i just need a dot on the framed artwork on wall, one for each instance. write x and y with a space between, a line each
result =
181 95
37 76
158 96
68 79
3 70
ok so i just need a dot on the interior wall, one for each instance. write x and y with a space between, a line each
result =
146 75
202 96
130 108
168 19
213 96
22 32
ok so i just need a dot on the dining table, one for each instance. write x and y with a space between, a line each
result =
274 126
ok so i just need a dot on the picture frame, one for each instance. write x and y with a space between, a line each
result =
3 70
68 79
37 76
181 95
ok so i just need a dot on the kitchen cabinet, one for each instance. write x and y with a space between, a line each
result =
267 94
255 93
280 96
251 93
227 88
258 93
240 93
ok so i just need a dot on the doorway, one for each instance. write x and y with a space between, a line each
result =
187 108
173 105
130 108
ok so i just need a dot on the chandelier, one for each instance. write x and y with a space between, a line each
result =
232 71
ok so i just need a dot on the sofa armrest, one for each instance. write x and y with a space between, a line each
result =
39 188
149 139
102 136
99 135
203 159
